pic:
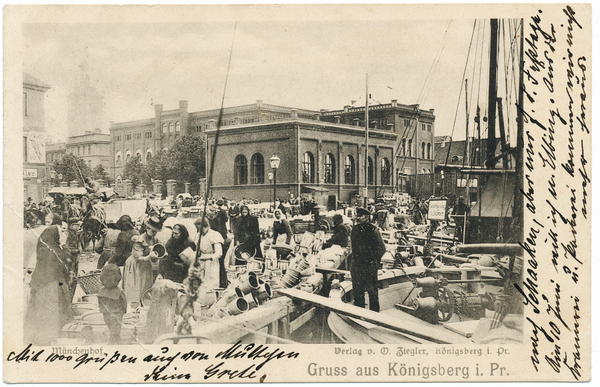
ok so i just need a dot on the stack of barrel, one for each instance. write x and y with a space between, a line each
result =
245 293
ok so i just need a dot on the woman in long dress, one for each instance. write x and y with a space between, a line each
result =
49 307
209 251
137 272
123 245
248 232
172 266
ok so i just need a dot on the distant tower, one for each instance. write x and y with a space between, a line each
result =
85 104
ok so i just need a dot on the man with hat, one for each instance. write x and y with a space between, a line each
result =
367 250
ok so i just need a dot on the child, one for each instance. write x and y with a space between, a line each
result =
112 301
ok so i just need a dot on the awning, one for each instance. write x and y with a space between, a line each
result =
74 191
314 188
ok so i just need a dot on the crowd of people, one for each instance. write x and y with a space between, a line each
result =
133 255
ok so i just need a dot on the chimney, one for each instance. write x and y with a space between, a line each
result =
294 113
158 110
183 105
346 108
394 102
259 102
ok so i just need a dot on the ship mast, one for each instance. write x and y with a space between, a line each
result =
492 95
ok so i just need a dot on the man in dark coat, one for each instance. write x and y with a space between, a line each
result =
340 233
367 250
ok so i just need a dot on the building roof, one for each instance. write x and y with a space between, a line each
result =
32 82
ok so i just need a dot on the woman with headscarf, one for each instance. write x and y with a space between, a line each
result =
172 266
281 226
209 251
248 232
123 245
137 272
49 307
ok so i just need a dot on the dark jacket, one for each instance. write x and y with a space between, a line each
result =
248 232
339 237
172 266
123 247
219 222
367 248
280 227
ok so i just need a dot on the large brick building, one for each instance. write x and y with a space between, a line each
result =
147 137
320 151
315 156
414 127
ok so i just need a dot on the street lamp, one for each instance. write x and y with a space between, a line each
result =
274 165
270 182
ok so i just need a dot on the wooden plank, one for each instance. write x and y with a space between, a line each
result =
230 329
326 270
297 323
406 324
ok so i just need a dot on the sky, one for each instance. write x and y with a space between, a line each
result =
304 64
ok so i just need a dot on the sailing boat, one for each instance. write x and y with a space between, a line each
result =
462 297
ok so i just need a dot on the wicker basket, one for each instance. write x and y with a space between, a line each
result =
90 283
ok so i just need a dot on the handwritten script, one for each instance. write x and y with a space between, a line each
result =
556 205
240 361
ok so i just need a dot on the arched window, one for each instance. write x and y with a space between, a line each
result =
118 159
138 154
329 169
257 169
165 150
148 155
385 171
428 151
349 170
127 158
177 126
409 149
171 127
308 168
165 129
240 174
370 171
422 150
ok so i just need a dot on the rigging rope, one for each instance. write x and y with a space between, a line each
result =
193 281
461 88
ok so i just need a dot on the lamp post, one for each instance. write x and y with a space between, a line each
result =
274 165
270 182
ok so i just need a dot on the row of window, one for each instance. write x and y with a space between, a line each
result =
137 136
406 149
171 127
120 161
257 170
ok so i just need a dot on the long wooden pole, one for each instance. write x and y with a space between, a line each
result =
366 189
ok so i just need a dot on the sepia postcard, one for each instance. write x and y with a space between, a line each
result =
297 193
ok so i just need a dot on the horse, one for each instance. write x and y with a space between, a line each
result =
92 226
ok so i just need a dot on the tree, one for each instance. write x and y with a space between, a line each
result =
99 173
188 157
160 167
70 168
184 162
136 172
